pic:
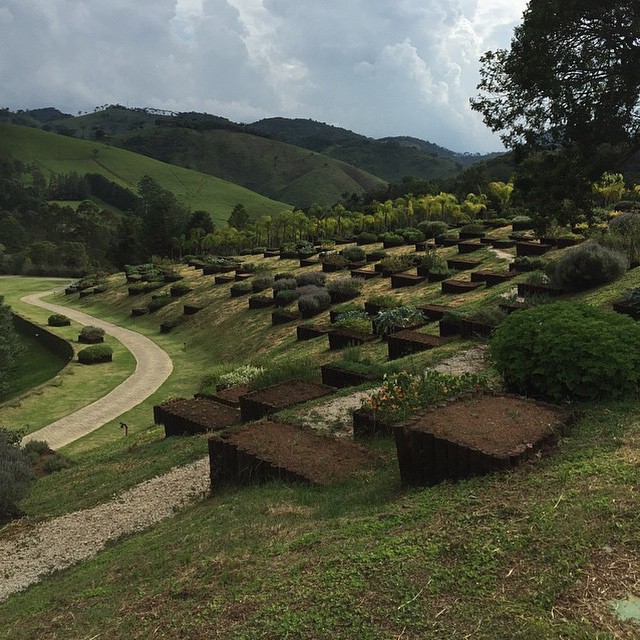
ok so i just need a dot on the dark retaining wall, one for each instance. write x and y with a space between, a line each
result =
57 345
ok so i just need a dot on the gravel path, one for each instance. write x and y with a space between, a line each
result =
62 542
153 367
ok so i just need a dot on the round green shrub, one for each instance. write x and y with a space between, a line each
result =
568 351
179 289
260 283
522 223
392 239
412 235
432 228
357 321
58 320
355 254
95 354
588 265
316 278
344 289
90 332
286 297
366 237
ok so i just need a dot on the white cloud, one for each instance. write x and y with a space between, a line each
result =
381 68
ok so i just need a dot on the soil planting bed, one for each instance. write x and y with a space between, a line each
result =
491 278
365 274
474 435
263 402
399 280
459 286
309 331
186 416
279 451
469 246
408 341
460 264
532 248
334 376
224 279
229 396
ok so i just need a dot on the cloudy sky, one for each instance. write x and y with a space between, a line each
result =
377 67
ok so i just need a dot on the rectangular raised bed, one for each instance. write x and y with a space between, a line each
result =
308 331
434 311
242 275
448 242
334 376
224 279
282 317
339 339
264 302
408 341
271 253
187 416
472 328
469 246
473 436
229 396
399 280
459 286
532 248
462 264
365 274
470 235
627 310
263 402
270 450
503 244
491 278
366 424
139 311
309 262
191 309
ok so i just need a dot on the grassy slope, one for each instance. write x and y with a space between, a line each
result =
506 556
275 169
60 154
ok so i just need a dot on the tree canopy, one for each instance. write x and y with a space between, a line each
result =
571 76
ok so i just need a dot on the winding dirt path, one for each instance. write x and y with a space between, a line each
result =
153 367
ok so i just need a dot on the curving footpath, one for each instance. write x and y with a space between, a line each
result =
153 367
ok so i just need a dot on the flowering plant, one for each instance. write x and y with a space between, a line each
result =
404 393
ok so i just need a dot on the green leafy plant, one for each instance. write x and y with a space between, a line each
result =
343 289
16 474
354 254
433 228
384 301
95 354
412 235
529 263
568 351
356 321
239 376
58 320
335 260
286 297
588 265
390 320
431 260
392 239
366 237
241 288
377 254
522 223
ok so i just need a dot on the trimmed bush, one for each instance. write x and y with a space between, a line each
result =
392 239
58 320
529 263
138 288
16 475
522 223
284 284
357 321
344 289
159 302
588 265
260 302
285 297
624 235
310 304
432 228
568 351
95 354
377 254
355 254
334 260
91 334
316 278
411 235
260 283
366 238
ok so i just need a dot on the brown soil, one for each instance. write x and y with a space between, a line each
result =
202 411
231 395
320 459
496 425
285 394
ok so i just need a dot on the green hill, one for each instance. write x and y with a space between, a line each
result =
62 154
277 170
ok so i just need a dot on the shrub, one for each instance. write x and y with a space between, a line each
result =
310 304
95 354
283 284
392 239
257 250
316 278
412 235
344 289
58 320
290 369
473 228
240 288
138 288
491 316
366 238
384 301
529 263
377 254
568 351
431 260
286 297
522 223
588 265
432 228
401 262
355 254
260 283
356 321
16 474
91 333
335 260
260 302
624 235
632 298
